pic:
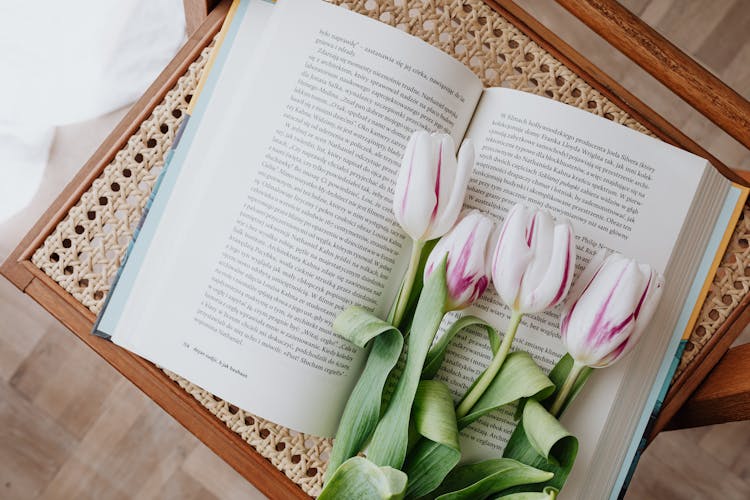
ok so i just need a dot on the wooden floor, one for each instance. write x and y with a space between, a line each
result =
71 427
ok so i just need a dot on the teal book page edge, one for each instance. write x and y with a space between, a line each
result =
144 233
676 346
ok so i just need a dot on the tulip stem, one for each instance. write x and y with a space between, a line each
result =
484 380
564 392
399 307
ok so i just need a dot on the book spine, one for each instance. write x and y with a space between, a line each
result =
652 418
96 331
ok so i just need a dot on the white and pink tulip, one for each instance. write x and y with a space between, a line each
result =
468 249
613 301
534 260
431 184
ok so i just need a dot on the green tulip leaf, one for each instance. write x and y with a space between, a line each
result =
487 478
429 462
359 478
438 449
437 352
433 413
558 375
518 378
542 442
389 442
362 410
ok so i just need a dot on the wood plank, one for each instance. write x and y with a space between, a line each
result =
724 396
682 388
668 64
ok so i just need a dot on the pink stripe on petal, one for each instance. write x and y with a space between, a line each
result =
566 275
437 183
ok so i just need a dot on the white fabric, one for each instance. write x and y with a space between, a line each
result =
65 62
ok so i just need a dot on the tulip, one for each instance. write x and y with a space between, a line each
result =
613 302
431 184
532 268
468 250
429 194
534 260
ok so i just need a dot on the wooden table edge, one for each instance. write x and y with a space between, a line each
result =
152 381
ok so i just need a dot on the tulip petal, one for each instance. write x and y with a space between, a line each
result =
418 197
552 286
512 255
604 322
455 192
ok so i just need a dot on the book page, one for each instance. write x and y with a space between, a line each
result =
619 188
282 217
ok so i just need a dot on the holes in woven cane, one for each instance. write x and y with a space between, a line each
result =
727 300
233 409
609 116
280 446
249 420
444 37
83 283
742 243
591 104
188 98
544 68
738 284
98 295
482 20
528 56
66 243
576 93
533 82
138 159
176 113
103 200
311 472
549 93
53 257
460 48
91 215
151 143
68 270
164 128
713 314
114 187
467 8
371 5
428 25
126 172
497 32
296 459
701 330
560 81
386 17
475 62
264 433
79 229
512 44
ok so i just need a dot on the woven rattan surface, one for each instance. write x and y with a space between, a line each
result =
84 251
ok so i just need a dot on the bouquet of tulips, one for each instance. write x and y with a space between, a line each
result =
410 434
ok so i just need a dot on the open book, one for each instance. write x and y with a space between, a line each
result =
275 214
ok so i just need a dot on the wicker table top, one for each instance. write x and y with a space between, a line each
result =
82 249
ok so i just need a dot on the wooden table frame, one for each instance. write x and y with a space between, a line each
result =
723 387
